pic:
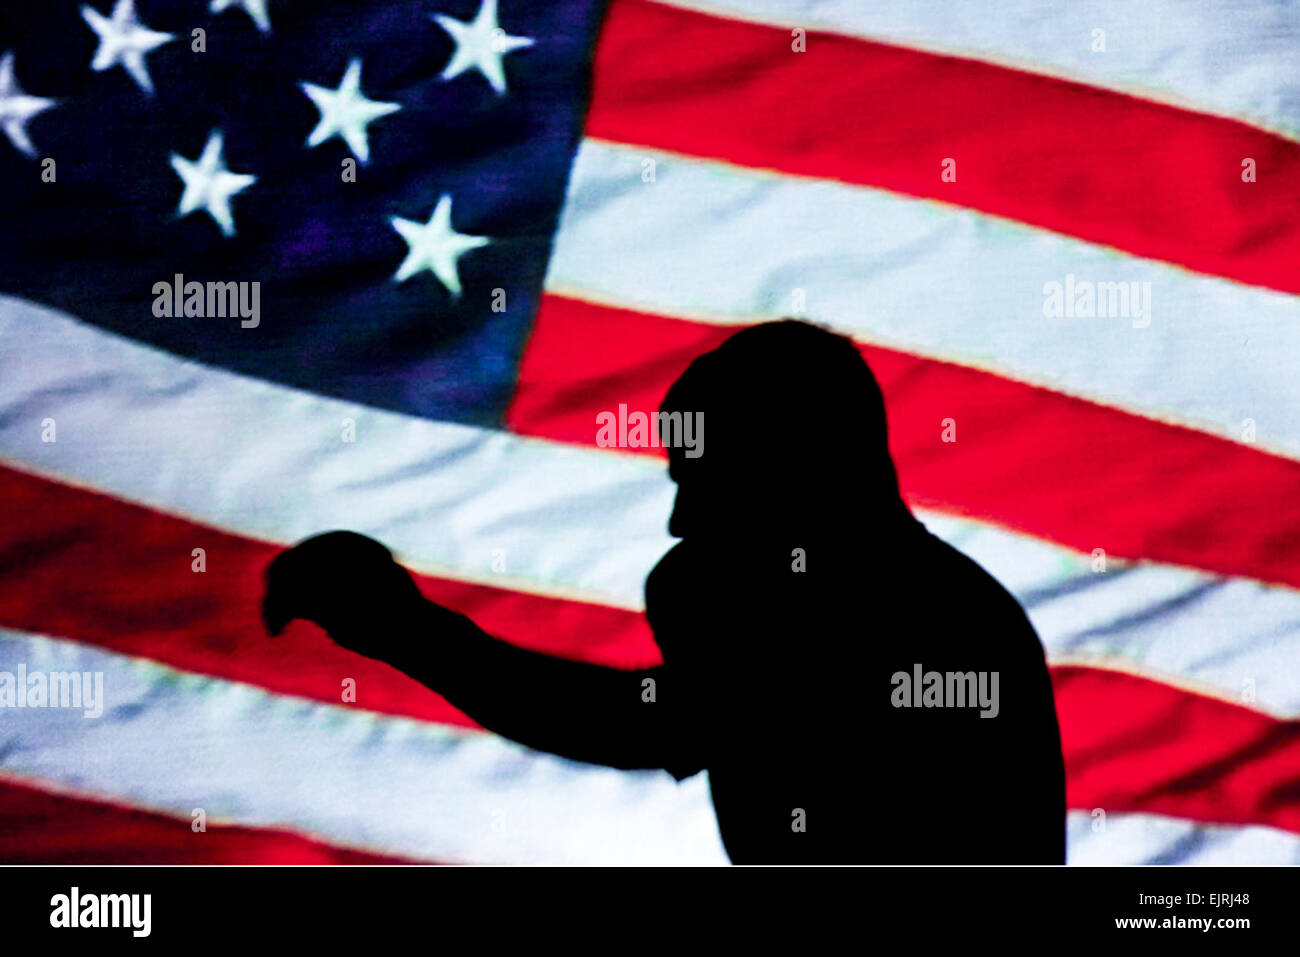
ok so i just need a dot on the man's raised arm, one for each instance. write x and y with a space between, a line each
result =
350 586
624 719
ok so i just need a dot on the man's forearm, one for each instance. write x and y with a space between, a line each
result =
577 710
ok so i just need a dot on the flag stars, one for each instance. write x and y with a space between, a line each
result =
435 245
254 8
481 45
17 107
124 40
209 185
345 112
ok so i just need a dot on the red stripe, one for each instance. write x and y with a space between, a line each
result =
82 565
38 827
59 542
1151 179
1132 744
1085 475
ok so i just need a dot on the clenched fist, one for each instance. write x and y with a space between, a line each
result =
350 586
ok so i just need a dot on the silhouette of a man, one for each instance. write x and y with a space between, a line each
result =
803 619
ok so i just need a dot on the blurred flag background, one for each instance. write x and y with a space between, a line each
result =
1066 236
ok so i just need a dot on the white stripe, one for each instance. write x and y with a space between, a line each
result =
1239 59
265 460
1230 637
1092 839
270 462
930 278
173 741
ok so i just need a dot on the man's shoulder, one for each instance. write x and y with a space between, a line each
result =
964 590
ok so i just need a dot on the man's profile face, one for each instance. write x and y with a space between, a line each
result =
688 475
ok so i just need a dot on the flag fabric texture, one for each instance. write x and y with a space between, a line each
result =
275 267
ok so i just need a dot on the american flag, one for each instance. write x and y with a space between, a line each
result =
1066 235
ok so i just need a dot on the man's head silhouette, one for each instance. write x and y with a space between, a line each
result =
797 436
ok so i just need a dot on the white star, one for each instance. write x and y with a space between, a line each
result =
17 107
255 9
209 184
345 112
435 245
480 45
124 39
